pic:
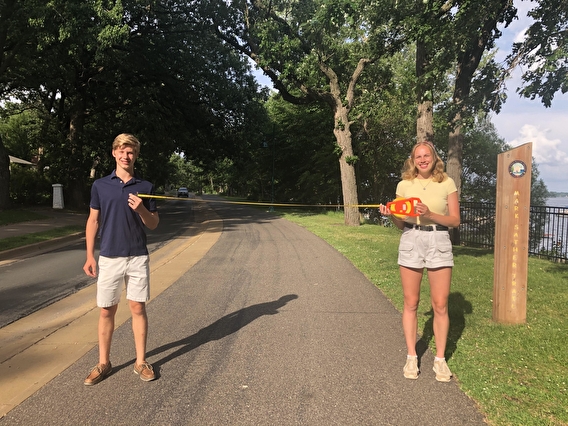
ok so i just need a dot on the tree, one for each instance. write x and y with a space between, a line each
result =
429 27
16 47
182 173
475 36
20 132
480 166
305 153
101 68
314 51
454 35
386 131
479 178
60 67
544 52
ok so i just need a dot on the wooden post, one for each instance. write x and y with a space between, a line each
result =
512 235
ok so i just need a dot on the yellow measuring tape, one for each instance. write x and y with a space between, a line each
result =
164 197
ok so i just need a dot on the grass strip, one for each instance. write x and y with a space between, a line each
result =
517 374
38 237
10 216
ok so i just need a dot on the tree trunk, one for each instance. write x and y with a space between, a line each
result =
4 177
425 118
342 133
454 167
454 164
424 122
346 167
76 185
455 154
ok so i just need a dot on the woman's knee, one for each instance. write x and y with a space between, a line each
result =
440 307
411 304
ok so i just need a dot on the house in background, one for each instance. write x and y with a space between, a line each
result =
17 160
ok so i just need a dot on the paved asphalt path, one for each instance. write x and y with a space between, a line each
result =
271 327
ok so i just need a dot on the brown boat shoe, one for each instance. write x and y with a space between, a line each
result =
145 371
98 373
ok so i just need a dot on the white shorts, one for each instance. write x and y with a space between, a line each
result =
425 249
133 271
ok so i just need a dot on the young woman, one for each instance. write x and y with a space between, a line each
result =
425 243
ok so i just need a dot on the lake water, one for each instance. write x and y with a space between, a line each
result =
555 235
557 202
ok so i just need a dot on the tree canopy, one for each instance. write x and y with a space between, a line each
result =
315 51
544 52
99 68
349 77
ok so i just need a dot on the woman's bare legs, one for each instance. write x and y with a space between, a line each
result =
440 279
411 279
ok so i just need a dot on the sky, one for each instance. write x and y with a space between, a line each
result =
522 120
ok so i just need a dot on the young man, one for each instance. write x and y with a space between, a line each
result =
119 216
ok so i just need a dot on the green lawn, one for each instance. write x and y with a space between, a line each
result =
518 374
10 216
38 237
18 215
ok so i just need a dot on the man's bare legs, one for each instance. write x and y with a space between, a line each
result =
106 329
139 329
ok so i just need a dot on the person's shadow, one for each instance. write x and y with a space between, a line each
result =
458 307
223 327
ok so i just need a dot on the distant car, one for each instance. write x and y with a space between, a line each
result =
183 192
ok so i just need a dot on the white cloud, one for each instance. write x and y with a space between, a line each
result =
545 151
546 130
520 36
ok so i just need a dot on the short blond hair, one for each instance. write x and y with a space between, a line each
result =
126 139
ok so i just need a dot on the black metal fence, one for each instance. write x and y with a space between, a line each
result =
548 230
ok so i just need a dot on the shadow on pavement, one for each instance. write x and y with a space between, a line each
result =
221 328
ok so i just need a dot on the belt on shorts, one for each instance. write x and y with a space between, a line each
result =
427 228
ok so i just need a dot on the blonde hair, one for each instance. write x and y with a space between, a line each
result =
409 170
124 140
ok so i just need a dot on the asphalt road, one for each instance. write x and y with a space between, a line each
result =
33 283
271 327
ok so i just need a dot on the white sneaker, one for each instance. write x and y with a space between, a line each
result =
410 369
443 373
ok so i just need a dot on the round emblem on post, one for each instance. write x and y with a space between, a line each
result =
517 169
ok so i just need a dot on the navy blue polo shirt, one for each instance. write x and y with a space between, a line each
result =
121 229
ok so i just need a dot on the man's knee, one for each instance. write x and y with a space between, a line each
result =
108 312
137 308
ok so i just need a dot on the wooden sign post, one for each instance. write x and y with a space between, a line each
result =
512 235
